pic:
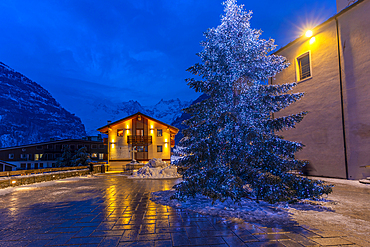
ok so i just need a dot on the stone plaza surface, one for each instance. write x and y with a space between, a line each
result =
111 210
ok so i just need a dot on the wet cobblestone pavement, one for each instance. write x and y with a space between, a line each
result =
110 210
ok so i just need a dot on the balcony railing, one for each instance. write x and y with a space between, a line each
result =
134 139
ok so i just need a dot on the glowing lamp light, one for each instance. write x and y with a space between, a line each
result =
308 33
13 182
312 40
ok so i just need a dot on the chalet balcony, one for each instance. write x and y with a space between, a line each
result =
137 139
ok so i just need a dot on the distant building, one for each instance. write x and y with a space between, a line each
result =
138 137
44 154
332 67
5 166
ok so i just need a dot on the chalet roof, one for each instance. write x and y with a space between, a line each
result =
322 24
51 142
105 128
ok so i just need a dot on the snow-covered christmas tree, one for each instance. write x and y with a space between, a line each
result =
232 143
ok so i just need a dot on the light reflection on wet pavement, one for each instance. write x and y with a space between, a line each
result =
110 210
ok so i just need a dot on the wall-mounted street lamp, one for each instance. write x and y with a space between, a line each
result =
308 33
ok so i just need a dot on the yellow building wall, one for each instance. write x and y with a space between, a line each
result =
119 150
118 147
321 129
163 140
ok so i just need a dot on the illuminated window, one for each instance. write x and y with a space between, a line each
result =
101 156
304 66
94 155
120 132
159 133
159 148
11 156
37 156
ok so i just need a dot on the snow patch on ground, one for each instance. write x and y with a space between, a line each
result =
156 169
354 183
248 210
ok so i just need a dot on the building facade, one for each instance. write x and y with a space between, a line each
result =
43 155
138 137
332 68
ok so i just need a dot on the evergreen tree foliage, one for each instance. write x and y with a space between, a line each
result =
232 146
66 159
81 158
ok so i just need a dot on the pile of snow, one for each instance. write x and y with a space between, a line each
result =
156 169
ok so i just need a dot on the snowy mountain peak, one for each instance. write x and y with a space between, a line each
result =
165 110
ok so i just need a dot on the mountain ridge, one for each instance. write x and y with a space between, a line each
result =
29 113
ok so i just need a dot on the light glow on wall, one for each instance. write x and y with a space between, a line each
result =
312 40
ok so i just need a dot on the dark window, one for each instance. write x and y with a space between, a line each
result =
120 132
72 146
159 133
94 146
36 166
53 165
304 66
87 146
41 165
28 166
58 147
11 156
39 147
23 165
57 156
49 147
159 148
79 146
101 146
50 156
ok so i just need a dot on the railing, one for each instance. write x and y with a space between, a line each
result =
35 171
137 139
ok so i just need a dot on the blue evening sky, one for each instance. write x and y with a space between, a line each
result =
129 49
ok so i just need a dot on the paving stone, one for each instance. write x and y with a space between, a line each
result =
269 237
290 243
109 241
234 241
265 244
331 241
106 233
129 235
